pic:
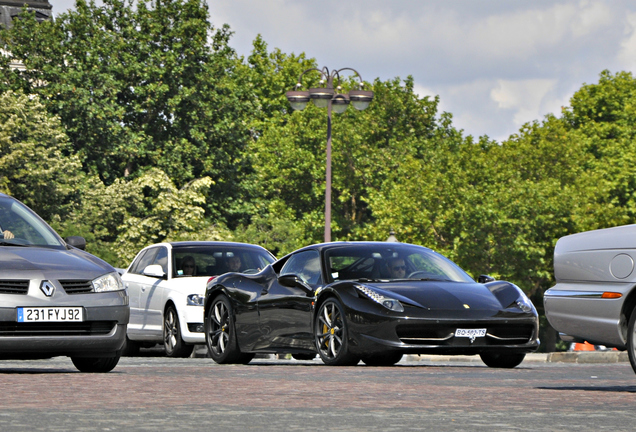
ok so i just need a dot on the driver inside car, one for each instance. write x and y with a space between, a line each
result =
311 271
397 268
6 234
234 264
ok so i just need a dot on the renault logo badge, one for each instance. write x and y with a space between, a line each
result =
47 288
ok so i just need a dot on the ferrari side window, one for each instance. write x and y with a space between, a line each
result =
305 265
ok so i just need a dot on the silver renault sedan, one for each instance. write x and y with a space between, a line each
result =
55 298
594 299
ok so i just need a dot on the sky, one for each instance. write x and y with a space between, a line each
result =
495 64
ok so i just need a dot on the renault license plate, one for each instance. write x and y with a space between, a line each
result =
470 333
50 314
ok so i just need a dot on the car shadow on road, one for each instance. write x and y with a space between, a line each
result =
614 389
43 371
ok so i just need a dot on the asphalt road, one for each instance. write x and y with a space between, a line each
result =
156 393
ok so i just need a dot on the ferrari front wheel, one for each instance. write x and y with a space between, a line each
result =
385 359
220 336
502 360
331 333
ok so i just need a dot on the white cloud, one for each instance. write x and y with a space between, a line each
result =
627 54
526 98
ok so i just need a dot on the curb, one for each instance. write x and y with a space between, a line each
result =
555 357
589 357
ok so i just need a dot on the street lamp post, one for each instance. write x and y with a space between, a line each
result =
326 96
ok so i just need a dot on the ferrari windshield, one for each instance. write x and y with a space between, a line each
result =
390 262
19 226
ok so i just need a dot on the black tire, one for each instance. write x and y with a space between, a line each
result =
631 340
502 360
384 359
304 356
97 364
331 335
173 345
130 348
220 336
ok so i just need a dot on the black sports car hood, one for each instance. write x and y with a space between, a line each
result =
443 295
52 262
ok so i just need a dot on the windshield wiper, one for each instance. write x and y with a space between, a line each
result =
432 279
368 280
6 243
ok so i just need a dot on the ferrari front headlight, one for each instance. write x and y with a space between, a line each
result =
108 282
523 302
387 302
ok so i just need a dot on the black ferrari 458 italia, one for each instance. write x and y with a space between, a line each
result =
369 301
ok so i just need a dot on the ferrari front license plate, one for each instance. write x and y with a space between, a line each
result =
50 314
470 333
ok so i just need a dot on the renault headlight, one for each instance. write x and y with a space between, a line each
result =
387 302
108 282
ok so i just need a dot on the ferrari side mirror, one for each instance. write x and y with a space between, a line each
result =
293 281
482 279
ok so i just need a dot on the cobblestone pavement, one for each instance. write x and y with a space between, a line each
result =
156 393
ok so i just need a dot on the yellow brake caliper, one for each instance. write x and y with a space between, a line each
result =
325 330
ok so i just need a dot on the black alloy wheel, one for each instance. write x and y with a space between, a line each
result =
173 345
330 331
384 359
220 336
97 364
502 360
631 340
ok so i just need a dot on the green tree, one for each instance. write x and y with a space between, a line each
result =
141 84
36 165
605 115
289 159
120 219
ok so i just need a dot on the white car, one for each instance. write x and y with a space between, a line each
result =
166 285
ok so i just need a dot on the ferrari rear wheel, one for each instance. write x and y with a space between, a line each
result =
631 340
384 359
220 336
502 360
331 333
173 345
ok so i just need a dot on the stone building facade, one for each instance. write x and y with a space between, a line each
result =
10 9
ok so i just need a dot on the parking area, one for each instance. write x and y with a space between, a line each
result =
154 392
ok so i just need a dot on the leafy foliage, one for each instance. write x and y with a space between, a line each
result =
135 122
119 219
35 161
140 84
